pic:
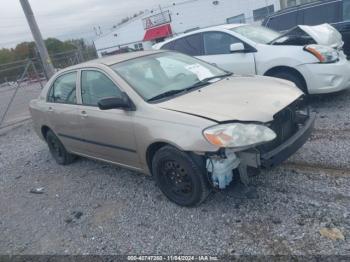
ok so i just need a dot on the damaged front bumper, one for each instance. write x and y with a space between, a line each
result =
326 78
290 146
221 167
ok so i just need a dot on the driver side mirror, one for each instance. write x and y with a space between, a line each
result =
122 102
237 48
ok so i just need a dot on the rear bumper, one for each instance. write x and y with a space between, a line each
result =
289 147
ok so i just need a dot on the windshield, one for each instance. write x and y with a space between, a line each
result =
166 72
258 34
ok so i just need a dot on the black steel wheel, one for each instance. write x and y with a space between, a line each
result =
57 150
179 177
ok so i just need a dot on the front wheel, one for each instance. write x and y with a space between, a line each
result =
179 177
57 149
293 78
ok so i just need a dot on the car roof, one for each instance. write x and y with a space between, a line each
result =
300 7
211 28
114 59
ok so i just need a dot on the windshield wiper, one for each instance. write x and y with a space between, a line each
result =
203 82
166 94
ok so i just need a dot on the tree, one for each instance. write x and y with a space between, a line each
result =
6 55
60 52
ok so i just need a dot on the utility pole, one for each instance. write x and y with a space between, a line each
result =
44 55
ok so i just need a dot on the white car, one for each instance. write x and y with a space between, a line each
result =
309 56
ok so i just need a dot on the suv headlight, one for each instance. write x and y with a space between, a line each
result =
325 54
238 135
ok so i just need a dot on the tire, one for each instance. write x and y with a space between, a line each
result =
179 177
57 150
293 78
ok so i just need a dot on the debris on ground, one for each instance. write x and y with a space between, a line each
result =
332 233
39 190
77 214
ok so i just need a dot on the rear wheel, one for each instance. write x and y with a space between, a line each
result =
179 177
57 149
293 78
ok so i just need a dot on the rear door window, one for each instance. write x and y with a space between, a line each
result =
63 89
168 46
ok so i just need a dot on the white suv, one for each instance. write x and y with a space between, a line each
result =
309 56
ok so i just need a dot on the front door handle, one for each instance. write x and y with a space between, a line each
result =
50 109
83 114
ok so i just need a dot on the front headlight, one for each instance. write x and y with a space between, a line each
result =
238 135
325 54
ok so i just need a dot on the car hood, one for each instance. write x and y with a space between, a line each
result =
324 34
239 98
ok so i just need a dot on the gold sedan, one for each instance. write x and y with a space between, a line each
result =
189 124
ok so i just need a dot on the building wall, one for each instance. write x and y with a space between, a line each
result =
185 15
125 36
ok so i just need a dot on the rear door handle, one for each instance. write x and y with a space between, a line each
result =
50 109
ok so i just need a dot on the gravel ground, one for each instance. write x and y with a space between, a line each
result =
94 208
333 111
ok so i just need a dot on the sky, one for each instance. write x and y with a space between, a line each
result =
65 19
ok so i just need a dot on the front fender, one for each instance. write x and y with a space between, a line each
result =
269 56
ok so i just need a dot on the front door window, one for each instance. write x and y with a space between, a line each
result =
96 86
217 43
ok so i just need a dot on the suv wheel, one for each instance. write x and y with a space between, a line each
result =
57 149
179 177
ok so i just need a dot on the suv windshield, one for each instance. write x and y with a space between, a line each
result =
166 74
258 34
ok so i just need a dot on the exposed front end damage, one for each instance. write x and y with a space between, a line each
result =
220 167
293 126
300 35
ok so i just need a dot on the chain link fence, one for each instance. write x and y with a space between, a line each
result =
21 81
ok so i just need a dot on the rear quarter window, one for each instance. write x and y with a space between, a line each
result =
323 13
314 15
346 10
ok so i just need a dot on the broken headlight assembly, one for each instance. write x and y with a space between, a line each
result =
238 135
324 54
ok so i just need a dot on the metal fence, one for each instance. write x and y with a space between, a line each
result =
22 81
